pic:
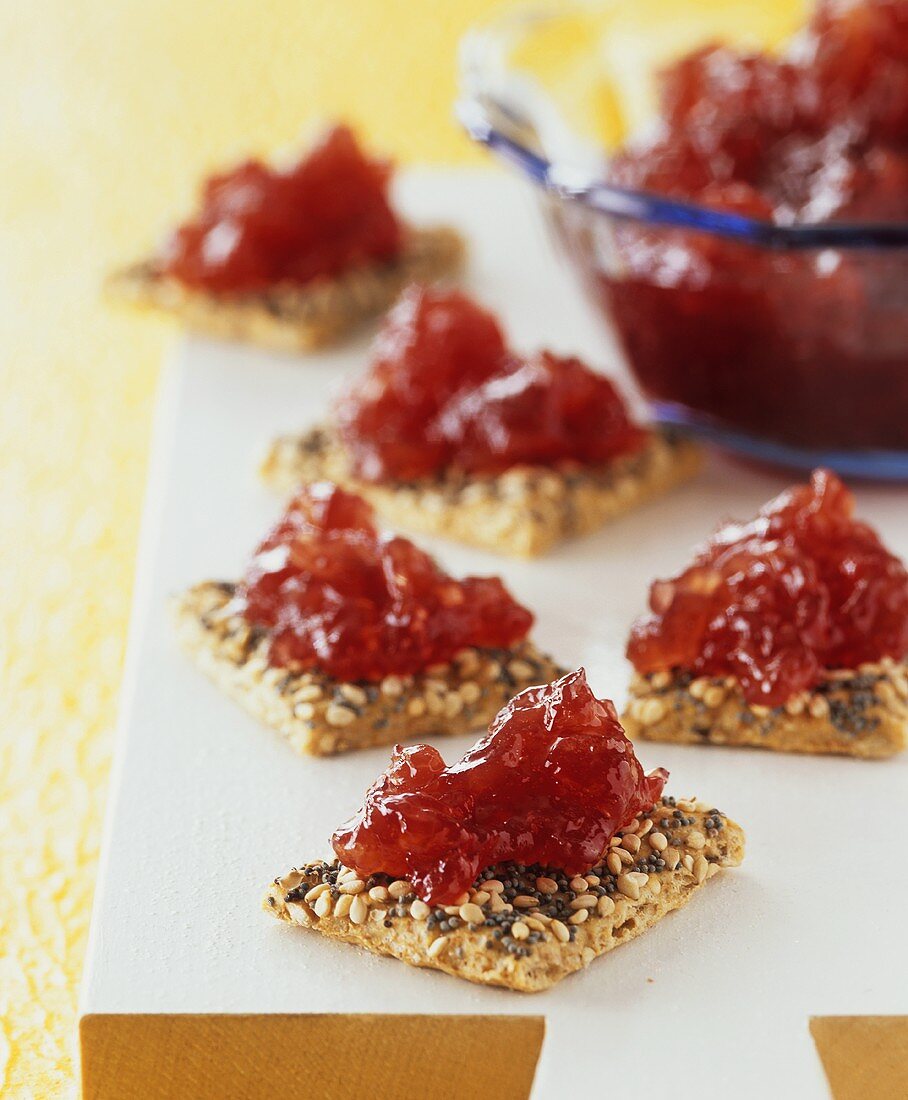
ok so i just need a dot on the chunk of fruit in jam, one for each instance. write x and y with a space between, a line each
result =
258 226
338 596
444 393
801 588
545 411
551 783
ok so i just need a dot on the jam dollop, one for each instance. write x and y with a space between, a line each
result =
337 595
444 392
817 133
551 783
259 225
802 587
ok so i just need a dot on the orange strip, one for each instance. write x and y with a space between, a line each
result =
244 1057
865 1057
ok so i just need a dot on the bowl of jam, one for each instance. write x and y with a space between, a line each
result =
730 181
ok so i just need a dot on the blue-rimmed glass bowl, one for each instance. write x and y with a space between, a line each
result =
795 348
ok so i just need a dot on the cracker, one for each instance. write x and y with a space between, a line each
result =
527 933
291 317
523 512
320 716
852 712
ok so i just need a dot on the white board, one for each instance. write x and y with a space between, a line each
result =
207 807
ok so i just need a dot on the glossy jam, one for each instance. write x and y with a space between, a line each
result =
801 588
551 783
258 226
444 392
338 596
809 348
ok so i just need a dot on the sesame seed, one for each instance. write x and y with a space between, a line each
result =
560 931
419 910
316 892
353 886
519 930
354 694
392 686
343 905
323 905
628 886
337 715
400 888
470 692
437 947
696 840
578 884
700 869
359 910
471 913
546 885
524 901
819 707
651 711
584 901
605 906
579 917
658 841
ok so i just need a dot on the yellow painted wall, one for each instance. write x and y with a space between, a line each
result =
109 110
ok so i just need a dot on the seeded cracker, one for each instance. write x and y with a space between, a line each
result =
523 928
320 716
291 317
523 512
852 712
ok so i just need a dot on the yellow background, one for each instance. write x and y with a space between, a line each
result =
110 110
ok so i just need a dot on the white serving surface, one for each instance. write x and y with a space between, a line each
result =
207 806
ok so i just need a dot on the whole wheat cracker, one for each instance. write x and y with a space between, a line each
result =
852 712
320 716
506 941
290 317
523 512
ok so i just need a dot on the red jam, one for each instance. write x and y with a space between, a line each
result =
338 596
445 393
801 588
258 226
809 347
551 783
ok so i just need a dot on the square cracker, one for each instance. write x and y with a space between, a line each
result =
522 928
297 318
320 716
852 712
523 512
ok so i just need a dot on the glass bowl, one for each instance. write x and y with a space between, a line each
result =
794 348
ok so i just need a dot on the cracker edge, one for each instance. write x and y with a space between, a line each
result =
671 707
465 956
293 318
320 716
524 512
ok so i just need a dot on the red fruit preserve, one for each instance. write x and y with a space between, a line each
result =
258 226
551 783
336 595
801 588
808 348
445 393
